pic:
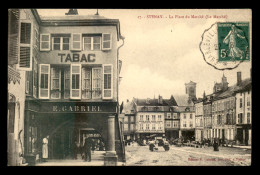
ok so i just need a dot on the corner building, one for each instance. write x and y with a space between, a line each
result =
72 86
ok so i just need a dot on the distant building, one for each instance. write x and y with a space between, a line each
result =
243 96
129 121
199 120
150 116
187 122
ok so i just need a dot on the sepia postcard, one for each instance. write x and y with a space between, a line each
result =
129 87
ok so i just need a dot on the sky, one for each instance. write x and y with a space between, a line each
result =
160 55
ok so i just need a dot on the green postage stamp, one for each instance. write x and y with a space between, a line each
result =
226 44
233 41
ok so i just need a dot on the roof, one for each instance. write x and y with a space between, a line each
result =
128 108
184 108
155 102
182 100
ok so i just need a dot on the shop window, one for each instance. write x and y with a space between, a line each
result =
92 42
44 81
108 82
45 42
76 41
32 139
25 60
75 90
55 83
106 41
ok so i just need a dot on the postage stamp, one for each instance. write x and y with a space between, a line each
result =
226 44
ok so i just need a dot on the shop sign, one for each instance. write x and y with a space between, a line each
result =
75 57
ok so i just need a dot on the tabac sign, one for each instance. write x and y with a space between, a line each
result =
78 107
75 57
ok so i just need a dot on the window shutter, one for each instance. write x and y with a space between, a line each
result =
13 35
106 41
108 81
45 42
86 83
75 81
44 83
96 83
25 59
55 83
76 41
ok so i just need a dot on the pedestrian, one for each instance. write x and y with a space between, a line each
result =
215 145
45 148
87 149
93 146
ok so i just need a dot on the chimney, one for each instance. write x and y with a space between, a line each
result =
239 78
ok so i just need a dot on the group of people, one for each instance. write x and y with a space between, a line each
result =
84 151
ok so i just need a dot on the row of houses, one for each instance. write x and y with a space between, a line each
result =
225 114
142 118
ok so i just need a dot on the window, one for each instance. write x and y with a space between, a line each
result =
147 126
159 126
126 119
240 118
159 117
190 116
132 119
241 105
44 77
219 119
96 83
106 41
248 101
184 116
108 82
92 42
248 118
126 127
76 41
184 124
35 80
153 126
55 83
191 124
60 43
27 85
132 127
45 42
25 60
153 117
168 115
168 124
174 115
141 117
147 117
86 83
141 126
67 83
75 83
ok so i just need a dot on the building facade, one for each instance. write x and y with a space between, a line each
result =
172 124
16 89
243 111
187 123
199 120
129 121
71 74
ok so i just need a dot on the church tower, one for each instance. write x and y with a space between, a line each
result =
191 90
